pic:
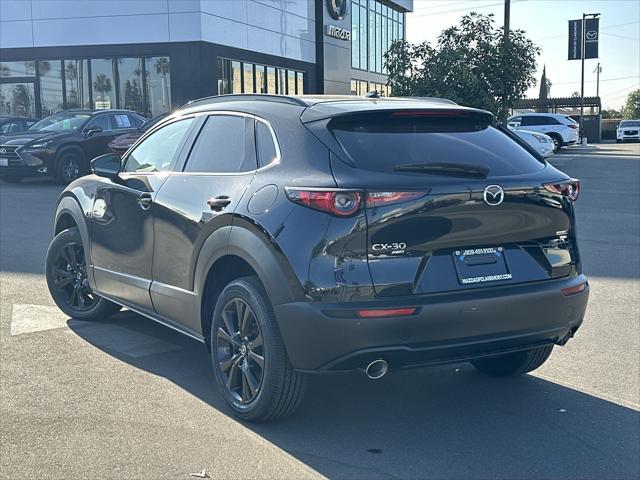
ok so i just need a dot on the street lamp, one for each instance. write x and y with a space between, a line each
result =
584 28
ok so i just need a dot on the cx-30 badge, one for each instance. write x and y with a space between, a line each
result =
493 195
337 8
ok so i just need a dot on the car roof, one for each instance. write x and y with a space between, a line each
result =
95 112
316 107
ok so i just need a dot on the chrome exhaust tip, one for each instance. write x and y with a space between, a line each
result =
376 369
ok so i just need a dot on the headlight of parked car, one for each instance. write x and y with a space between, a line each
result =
40 144
541 138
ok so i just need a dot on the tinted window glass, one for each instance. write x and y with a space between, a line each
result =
266 147
537 120
157 151
221 146
101 121
384 143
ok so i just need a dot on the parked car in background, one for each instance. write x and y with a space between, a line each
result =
62 145
10 125
562 129
122 143
303 235
541 143
628 130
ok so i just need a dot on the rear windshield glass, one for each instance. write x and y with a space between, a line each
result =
393 144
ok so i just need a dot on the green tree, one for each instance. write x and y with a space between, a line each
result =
632 107
470 64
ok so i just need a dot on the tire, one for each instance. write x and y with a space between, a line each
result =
67 279
69 166
618 140
12 179
512 364
557 141
234 348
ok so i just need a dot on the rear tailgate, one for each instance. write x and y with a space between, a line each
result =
451 202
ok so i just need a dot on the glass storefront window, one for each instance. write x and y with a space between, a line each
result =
271 80
282 81
236 78
130 71
223 77
158 84
291 82
76 79
50 75
355 36
103 83
17 99
17 69
261 79
299 83
247 77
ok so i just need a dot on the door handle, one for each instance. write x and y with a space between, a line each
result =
218 204
145 201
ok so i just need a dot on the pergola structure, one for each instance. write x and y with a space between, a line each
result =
552 105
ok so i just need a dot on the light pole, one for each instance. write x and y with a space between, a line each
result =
582 54
598 71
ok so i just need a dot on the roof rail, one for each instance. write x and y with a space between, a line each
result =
242 97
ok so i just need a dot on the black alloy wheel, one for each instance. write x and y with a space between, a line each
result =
69 168
70 277
240 351
250 363
66 271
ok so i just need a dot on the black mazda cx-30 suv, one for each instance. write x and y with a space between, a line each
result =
299 235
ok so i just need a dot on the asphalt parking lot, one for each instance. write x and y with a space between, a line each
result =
131 399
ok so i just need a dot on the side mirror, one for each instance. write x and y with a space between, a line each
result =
95 129
107 165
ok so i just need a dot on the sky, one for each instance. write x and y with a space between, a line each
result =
546 24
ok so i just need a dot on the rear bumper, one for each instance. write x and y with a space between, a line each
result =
446 328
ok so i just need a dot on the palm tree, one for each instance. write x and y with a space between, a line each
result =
102 84
162 68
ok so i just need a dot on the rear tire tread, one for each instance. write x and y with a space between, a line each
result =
514 364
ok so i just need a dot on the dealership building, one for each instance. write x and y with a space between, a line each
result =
155 55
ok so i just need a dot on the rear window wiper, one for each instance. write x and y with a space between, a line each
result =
450 169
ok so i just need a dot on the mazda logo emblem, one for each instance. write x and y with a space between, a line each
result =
337 8
592 35
493 195
3 150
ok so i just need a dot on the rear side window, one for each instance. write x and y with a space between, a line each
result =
539 120
224 145
390 144
265 145
571 120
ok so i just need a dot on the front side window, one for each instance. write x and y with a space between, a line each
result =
157 152
101 121
221 146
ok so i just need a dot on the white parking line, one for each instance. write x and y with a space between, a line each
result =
38 318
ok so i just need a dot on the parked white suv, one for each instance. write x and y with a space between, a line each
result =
628 130
562 129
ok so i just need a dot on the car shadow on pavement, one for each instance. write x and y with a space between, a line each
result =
441 422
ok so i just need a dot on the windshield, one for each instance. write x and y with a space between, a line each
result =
60 122
431 145
630 123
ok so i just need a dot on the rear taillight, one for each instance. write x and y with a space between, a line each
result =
569 189
572 125
381 199
336 202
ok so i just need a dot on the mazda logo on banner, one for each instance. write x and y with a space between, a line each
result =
591 35
338 8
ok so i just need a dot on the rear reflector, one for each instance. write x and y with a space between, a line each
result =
390 312
573 290
379 199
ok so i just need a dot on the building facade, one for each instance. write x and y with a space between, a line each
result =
155 55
